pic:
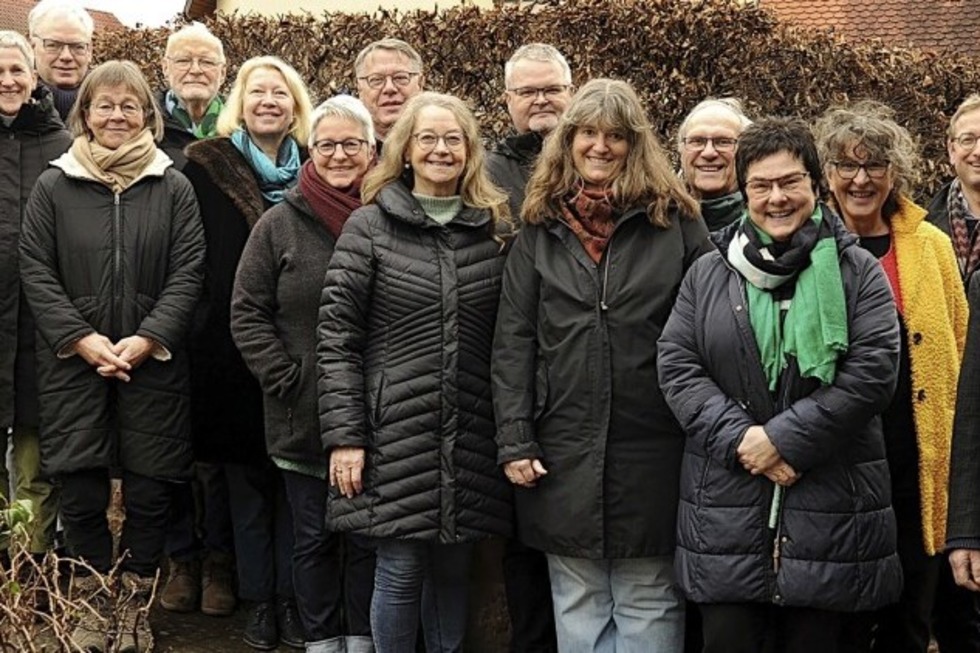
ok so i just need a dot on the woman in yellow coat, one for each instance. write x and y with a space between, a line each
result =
870 163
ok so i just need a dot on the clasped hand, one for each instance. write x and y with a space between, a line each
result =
114 360
758 456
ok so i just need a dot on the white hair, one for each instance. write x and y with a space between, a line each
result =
60 9
344 106
195 32
538 52
731 105
11 39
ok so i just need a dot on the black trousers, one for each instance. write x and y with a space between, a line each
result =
765 628
333 574
200 515
528 588
85 498
955 615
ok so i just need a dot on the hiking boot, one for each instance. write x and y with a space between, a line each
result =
91 633
217 593
135 633
291 632
183 585
261 632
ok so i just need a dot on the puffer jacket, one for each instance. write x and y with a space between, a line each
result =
510 165
575 384
836 532
405 332
132 263
274 308
35 137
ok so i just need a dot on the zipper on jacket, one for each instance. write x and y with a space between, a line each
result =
605 273
116 265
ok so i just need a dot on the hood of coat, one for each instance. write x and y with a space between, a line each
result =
74 169
397 201
38 116
523 148
723 237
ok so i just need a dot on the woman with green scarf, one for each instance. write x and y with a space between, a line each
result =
779 355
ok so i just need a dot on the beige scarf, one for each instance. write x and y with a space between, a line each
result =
116 168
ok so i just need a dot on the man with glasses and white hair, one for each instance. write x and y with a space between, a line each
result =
194 67
389 73
61 33
539 88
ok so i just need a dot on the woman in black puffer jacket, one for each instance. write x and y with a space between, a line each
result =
406 325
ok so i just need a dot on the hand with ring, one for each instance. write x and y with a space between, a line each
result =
524 472
345 470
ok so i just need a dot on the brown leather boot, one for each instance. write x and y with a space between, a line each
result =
135 634
217 589
183 584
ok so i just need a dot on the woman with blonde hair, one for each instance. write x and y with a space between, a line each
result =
404 366
583 431
871 163
263 129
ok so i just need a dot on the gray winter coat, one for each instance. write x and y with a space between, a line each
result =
836 530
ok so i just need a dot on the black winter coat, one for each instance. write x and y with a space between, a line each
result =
92 261
35 137
226 401
836 529
510 166
175 137
274 310
575 384
406 325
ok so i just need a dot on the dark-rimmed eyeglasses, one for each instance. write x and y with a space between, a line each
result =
849 169
966 141
759 188
720 143
400 79
182 64
350 146
428 140
53 46
532 92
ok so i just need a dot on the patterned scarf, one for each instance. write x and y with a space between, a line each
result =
208 126
331 205
967 253
589 214
274 179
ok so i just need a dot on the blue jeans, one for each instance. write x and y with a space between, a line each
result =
630 605
420 578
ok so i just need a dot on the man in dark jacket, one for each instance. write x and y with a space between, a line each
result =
956 210
539 88
389 73
61 32
194 66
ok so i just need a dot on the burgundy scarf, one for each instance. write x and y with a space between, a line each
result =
331 205
589 214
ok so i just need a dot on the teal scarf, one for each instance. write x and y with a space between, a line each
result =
814 328
208 126
274 179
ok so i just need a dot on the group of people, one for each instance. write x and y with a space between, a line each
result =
328 350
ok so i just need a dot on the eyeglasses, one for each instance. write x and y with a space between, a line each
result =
721 143
428 140
52 46
532 92
351 146
762 188
849 169
106 109
401 80
182 64
966 141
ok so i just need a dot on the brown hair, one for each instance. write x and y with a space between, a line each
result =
107 75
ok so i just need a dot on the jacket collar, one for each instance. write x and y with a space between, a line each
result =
909 216
230 172
523 148
38 115
72 168
396 200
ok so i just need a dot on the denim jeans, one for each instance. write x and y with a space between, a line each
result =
630 605
414 579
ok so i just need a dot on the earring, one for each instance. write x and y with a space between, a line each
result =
408 165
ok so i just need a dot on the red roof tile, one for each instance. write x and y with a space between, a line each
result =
934 25
13 15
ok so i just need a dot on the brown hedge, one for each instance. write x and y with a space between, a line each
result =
676 52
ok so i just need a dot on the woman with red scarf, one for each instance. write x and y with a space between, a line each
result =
273 321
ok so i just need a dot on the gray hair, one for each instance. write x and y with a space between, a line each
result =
538 52
396 45
195 32
11 39
344 106
52 9
730 104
